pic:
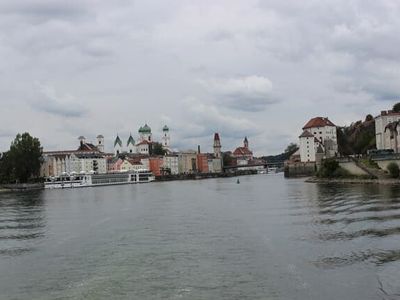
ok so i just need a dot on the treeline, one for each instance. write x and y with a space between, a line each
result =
280 158
357 138
21 164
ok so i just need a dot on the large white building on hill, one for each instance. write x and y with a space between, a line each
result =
318 137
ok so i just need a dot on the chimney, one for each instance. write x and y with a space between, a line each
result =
198 149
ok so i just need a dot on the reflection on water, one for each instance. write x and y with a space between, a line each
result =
22 221
345 213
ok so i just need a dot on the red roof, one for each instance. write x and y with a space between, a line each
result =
242 151
144 142
318 122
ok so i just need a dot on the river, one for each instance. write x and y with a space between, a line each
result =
265 238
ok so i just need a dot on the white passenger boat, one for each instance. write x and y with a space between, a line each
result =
92 179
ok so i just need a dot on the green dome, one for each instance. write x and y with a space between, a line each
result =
145 129
165 128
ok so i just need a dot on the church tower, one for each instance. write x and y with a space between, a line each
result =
131 144
217 146
100 142
117 146
246 142
166 138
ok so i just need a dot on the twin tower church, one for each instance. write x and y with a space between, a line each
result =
144 144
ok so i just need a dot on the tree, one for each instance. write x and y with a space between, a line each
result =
393 169
157 149
369 118
24 158
396 107
291 148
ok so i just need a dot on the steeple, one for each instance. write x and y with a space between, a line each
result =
217 146
117 146
246 142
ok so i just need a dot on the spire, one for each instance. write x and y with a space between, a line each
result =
117 141
246 142
130 140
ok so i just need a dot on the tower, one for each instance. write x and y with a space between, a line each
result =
246 142
131 144
82 139
145 133
217 146
166 137
117 146
100 142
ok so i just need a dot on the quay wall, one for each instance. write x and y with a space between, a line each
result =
352 168
300 169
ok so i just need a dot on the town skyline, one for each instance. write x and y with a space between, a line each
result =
240 68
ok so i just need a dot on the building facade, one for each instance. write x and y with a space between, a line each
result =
386 135
319 134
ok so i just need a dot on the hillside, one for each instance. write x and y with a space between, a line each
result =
358 137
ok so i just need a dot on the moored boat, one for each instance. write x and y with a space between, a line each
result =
93 179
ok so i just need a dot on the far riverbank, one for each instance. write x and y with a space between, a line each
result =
353 181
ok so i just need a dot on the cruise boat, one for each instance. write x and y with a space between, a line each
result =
74 180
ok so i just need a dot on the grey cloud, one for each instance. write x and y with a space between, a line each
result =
251 93
47 100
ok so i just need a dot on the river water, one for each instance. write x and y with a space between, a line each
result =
265 238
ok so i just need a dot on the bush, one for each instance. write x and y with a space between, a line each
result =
394 170
328 168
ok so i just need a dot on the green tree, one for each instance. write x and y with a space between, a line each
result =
369 118
157 149
24 158
394 170
396 107
291 148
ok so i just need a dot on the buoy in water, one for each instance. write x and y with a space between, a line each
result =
238 181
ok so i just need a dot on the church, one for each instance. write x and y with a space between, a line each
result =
144 144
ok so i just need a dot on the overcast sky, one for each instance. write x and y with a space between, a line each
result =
255 68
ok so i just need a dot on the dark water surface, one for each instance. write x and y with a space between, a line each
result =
266 238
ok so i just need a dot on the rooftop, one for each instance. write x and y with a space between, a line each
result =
318 122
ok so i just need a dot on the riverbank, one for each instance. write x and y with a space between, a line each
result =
19 187
353 181
204 175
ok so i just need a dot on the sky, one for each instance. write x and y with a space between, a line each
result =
259 69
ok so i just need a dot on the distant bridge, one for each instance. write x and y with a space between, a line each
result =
264 165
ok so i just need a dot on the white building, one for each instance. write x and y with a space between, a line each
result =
307 146
171 162
117 146
318 133
384 136
131 145
166 138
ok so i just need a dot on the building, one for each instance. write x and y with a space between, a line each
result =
166 138
156 165
171 164
117 146
202 163
144 143
130 145
187 162
88 157
217 146
318 133
243 154
386 133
